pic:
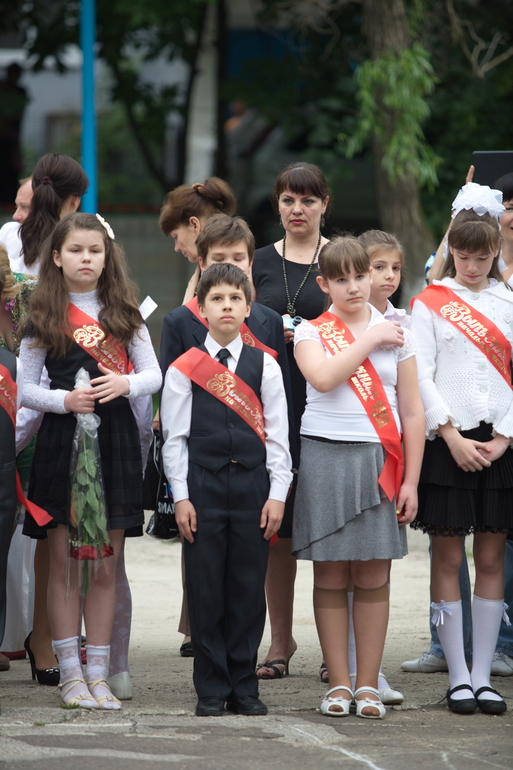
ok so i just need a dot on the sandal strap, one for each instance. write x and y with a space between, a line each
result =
72 682
486 689
367 689
460 687
340 687
99 681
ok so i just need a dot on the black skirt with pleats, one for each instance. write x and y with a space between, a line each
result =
120 453
453 502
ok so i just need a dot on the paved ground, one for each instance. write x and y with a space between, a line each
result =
158 727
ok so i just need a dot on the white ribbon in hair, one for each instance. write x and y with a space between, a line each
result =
505 616
110 231
437 618
481 198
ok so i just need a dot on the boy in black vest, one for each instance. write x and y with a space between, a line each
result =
9 401
225 426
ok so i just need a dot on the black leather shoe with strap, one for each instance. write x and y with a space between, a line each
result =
488 706
464 705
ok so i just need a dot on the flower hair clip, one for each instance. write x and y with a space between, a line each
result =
110 231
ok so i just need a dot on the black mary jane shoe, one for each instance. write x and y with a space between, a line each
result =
463 706
210 706
490 706
49 676
248 705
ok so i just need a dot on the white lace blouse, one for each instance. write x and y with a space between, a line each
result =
145 379
339 414
457 382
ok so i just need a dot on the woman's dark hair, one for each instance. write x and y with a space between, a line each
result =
473 234
301 179
214 196
505 185
47 318
55 179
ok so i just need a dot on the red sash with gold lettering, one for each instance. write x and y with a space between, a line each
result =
102 346
247 336
8 391
224 385
475 326
367 385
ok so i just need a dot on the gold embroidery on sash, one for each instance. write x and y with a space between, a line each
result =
248 339
221 384
88 336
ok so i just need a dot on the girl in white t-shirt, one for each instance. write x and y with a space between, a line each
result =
344 520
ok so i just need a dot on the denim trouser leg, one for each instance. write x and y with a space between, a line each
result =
465 593
505 640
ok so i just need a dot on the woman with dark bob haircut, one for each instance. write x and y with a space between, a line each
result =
284 276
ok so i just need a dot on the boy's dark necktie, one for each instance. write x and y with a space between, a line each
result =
223 356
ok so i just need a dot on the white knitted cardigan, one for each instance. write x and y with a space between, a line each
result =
457 382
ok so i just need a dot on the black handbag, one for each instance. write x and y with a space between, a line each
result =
162 523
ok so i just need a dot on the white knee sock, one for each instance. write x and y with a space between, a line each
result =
71 668
450 633
486 621
97 659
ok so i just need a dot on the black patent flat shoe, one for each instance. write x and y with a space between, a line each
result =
490 706
49 676
463 706
187 650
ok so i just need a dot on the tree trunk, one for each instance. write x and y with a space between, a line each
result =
222 40
386 27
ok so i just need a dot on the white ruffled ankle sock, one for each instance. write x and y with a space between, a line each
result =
71 668
486 621
97 660
450 633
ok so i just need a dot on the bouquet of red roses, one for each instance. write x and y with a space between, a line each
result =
87 529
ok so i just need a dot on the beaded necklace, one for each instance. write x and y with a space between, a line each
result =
291 305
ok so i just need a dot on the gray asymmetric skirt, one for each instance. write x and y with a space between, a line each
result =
341 513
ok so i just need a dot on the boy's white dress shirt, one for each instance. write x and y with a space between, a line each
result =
176 423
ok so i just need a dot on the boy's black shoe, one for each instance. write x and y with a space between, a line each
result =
210 707
248 706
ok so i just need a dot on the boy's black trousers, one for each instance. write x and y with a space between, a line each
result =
225 571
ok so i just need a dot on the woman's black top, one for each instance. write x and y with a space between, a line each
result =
270 288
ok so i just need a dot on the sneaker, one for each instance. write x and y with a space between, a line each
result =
428 663
502 664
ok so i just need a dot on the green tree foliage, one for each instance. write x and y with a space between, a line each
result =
129 33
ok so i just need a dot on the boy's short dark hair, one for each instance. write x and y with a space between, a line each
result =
225 231
223 273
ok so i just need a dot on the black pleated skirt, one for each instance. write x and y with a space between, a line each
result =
120 453
453 502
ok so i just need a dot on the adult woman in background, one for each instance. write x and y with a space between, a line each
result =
185 211
284 275
58 183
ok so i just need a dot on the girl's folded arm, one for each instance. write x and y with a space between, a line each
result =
325 374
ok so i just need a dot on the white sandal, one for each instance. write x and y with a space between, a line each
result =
367 702
84 700
102 699
336 707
